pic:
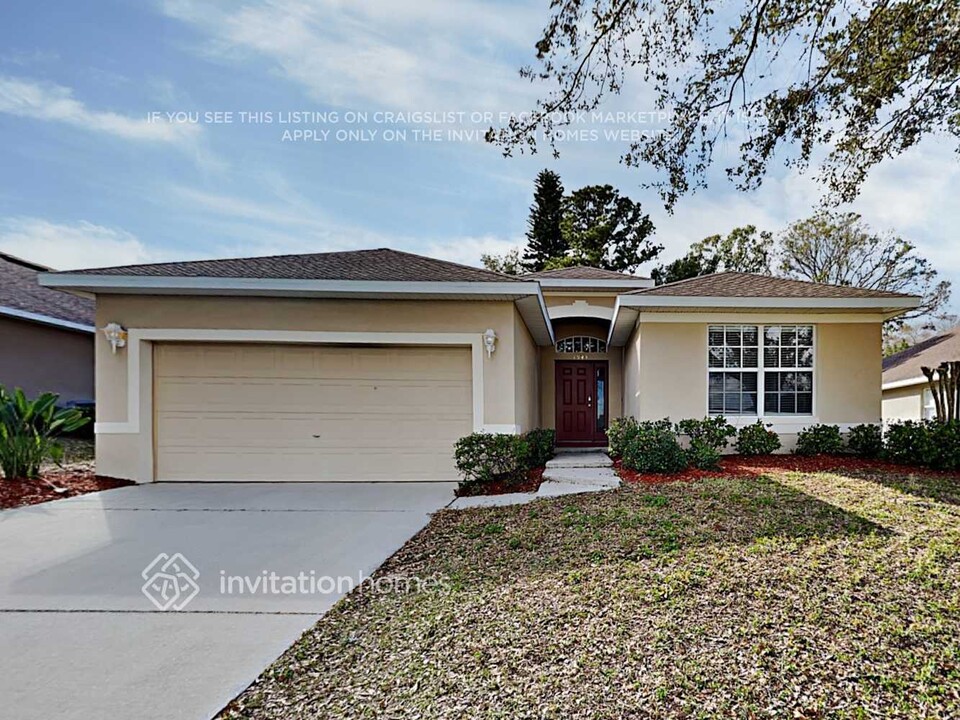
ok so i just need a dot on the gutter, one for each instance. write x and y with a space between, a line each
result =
904 383
45 319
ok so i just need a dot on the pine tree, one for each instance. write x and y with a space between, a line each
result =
544 239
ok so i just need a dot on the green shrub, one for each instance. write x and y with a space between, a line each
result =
757 439
819 440
618 432
484 458
911 443
866 441
714 432
946 438
540 444
708 437
702 455
29 431
653 448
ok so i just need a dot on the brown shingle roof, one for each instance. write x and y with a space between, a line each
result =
905 365
581 272
19 290
382 265
737 284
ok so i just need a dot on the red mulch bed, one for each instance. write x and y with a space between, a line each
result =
531 484
17 493
755 465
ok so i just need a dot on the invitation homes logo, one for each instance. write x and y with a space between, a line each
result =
172 581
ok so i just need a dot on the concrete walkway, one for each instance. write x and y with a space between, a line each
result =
573 472
570 472
80 639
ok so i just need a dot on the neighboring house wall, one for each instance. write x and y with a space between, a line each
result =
904 403
40 358
121 454
666 374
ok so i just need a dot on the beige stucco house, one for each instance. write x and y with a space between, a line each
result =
906 393
46 336
369 365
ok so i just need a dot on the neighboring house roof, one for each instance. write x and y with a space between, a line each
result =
22 297
738 284
582 272
383 265
903 368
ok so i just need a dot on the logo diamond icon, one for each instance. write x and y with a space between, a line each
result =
170 582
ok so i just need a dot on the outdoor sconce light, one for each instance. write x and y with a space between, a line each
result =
490 341
116 336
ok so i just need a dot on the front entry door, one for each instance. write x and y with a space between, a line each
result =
581 388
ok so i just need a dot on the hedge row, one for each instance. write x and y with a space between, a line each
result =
655 447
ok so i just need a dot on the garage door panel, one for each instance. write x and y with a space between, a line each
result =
368 433
264 412
253 395
309 362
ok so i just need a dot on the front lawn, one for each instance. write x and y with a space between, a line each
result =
789 595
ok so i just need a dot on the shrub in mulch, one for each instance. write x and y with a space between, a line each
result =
756 465
501 487
19 493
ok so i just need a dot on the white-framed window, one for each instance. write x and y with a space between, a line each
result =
581 344
929 406
760 370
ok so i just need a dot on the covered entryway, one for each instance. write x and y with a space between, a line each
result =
263 412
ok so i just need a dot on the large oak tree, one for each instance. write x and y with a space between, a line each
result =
856 83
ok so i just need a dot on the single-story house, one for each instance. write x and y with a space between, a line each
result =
369 365
906 393
46 336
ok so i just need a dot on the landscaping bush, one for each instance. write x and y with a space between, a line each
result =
911 443
708 437
819 440
484 458
866 441
653 447
757 439
618 432
702 456
540 444
946 438
29 430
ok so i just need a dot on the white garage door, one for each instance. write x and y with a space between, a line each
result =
305 412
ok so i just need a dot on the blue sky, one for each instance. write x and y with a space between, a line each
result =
87 179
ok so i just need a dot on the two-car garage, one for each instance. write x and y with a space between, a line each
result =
268 412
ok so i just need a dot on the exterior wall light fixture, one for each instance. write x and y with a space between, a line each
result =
490 341
116 336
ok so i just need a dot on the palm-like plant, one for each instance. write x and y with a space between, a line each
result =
29 430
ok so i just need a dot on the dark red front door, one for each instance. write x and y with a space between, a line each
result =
581 402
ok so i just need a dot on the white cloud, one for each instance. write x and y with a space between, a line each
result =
468 250
44 101
72 246
403 54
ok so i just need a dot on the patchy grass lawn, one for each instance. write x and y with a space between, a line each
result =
795 595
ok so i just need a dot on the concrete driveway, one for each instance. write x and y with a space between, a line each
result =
79 638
